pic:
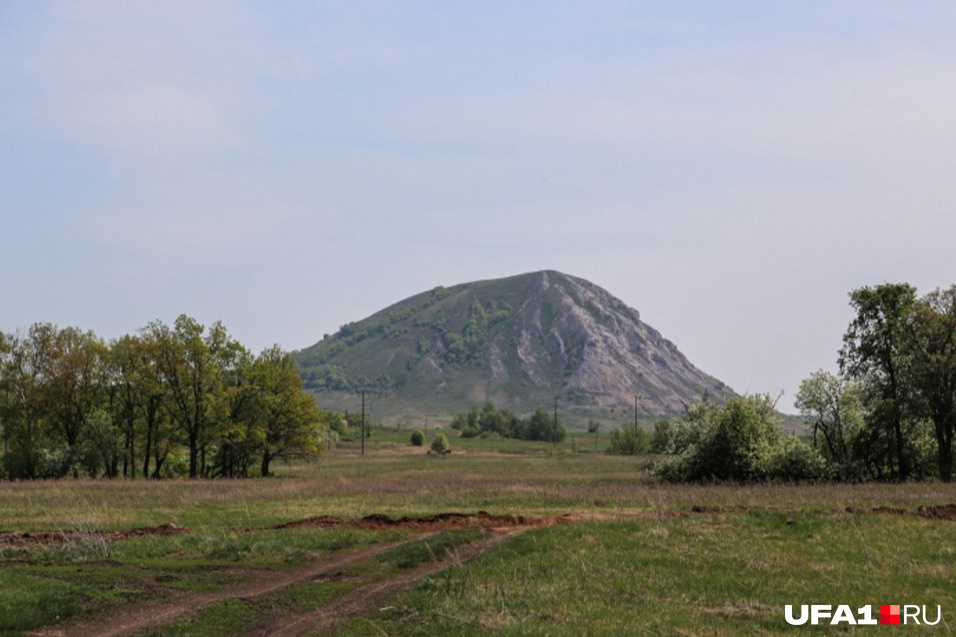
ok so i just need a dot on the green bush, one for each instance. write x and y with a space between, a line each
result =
630 440
470 432
418 438
662 436
740 441
440 444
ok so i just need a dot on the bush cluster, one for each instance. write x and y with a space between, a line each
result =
493 421
739 441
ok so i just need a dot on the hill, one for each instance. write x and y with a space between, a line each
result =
518 342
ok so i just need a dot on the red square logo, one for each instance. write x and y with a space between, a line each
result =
890 614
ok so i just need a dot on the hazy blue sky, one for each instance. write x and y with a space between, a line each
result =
730 169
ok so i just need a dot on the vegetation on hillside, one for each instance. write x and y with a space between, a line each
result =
454 343
517 342
170 400
493 421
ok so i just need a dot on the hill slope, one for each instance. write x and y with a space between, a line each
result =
517 342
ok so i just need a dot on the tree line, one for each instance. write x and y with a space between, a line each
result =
889 414
169 400
490 420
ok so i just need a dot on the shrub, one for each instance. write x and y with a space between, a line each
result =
440 444
470 432
630 440
662 436
741 441
418 438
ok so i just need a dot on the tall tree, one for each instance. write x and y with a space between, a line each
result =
873 353
290 423
25 365
76 386
190 375
931 367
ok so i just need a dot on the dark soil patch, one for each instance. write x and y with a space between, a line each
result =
942 512
25 538
939 512
431 523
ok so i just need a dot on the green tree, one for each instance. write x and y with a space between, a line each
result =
290 422
873 352
832 406
75 386
931 368
190 376
22 385
541 426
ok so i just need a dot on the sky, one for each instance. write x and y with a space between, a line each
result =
731 169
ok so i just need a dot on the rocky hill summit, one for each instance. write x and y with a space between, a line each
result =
518 342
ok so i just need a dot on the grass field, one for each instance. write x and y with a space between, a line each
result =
571 542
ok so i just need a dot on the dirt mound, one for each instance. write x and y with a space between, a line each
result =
939 512
66 536
430 523
942 512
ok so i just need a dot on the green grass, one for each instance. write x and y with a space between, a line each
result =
28 601
234 616
433 549
725 574
634 567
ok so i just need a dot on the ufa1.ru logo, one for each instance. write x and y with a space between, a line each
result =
889 614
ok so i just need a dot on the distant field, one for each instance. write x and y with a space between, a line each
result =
569 542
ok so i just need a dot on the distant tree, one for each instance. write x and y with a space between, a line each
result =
594 427
195 397
541 426
873 353
418 438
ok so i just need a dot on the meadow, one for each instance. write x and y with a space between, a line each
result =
543 541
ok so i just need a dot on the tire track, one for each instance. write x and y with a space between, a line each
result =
371 596
128 620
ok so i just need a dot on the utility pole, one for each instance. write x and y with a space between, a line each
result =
554 437
363 422
635 412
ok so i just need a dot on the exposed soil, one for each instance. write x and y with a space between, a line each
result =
941 512
130 619
432 523
364 598
369 597
66 536
938 512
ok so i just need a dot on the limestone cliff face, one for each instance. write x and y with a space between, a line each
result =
514 341
600 345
